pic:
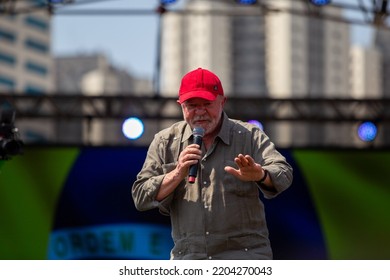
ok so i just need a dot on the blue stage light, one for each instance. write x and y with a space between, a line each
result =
367 131
320 2
167 2
246 2
133 128
256 123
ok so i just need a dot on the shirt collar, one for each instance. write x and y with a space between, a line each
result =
187 133
224 133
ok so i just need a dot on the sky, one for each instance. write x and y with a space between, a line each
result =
129 41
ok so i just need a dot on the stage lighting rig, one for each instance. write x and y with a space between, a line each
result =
10 144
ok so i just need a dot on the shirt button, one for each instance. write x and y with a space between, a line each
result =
204 183
207 233
179 252
246 249
210 257
206 206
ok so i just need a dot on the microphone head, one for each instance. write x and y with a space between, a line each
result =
198 131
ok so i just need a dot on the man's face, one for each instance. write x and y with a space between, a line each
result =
199 112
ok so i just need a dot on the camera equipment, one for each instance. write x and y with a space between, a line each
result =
10 144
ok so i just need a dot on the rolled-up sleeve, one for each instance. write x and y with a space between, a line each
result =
151 176
275 163
149 180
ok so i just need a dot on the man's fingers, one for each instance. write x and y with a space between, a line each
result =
244 161
250 160
231 170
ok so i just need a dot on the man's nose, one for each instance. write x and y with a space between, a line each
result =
200 109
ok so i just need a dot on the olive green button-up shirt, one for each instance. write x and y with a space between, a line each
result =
219 216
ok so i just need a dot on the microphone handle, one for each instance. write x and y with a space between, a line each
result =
194 168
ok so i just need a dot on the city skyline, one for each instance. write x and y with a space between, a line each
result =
134 45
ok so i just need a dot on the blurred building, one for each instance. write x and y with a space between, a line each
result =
307 57
195 40
382 43
26 63
209 37
93 75
27 67
366 73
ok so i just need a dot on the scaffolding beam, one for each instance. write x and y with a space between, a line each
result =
62 107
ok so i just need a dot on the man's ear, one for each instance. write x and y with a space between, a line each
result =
224 101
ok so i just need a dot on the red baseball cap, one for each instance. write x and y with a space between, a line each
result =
200 83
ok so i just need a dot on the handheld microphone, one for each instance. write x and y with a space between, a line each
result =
198 134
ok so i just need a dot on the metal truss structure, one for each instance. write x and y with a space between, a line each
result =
63 107
370 12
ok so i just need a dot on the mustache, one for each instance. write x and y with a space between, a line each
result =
199 118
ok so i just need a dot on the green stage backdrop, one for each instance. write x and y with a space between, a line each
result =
52 192
351 194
